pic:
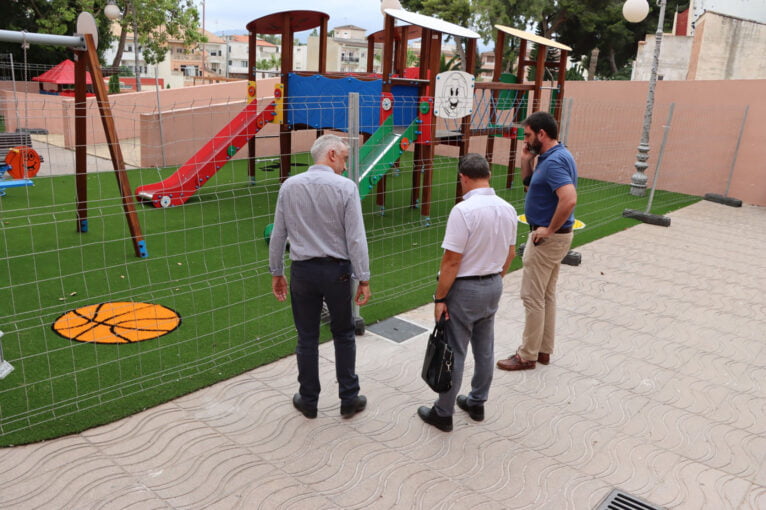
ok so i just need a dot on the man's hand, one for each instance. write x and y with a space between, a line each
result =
279 287
439 310
540 234
527 158
362 294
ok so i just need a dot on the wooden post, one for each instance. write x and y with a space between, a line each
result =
562 77
435 42
80 141
542 51
370 53
465 127
517 105
419 155
497 71
128 203
285 134
252 42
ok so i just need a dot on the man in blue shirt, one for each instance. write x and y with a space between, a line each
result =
321 213
549 208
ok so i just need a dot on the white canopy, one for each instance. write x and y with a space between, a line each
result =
438 25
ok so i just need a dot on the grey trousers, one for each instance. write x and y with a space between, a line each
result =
472 305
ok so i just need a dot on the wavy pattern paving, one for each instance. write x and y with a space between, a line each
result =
658 388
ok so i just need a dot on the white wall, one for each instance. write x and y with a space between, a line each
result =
754 10
674 58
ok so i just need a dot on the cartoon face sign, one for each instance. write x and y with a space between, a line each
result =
24 162
454 95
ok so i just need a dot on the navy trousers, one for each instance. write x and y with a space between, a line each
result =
311 282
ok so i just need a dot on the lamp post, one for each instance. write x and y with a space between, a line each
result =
112 11
635 11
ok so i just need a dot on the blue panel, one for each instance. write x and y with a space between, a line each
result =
321 102
405 104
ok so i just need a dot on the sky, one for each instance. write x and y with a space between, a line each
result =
235 14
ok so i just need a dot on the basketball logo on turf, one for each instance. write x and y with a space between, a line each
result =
118 322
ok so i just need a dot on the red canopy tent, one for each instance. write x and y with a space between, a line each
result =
62 74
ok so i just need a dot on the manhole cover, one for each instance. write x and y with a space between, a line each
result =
396 330
618 500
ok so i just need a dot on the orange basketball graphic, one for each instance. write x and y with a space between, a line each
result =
118 322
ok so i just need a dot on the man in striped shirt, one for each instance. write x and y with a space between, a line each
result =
321 214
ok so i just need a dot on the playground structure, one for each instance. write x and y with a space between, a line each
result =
509 92
84 45
397 112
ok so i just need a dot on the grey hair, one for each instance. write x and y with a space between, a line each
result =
325 144
474 166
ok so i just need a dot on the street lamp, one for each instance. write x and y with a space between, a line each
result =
111 11
635 11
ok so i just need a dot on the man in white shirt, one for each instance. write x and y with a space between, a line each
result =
479 246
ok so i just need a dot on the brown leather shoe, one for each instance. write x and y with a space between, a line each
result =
543 357
515 363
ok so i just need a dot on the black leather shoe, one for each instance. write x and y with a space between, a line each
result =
301 406
475 412
428 415
356 406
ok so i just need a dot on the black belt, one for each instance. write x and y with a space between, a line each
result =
477 277
327 260
562 230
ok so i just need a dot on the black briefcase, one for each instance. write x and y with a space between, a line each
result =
437 365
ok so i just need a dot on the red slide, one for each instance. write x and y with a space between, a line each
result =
192 175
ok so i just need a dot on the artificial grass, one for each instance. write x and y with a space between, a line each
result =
209 262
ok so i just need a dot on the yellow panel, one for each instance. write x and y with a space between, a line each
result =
251 91
532 37
279 99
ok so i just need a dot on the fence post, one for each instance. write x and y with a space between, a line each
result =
725 199
5 367
353 136
159 116
353 173
566 118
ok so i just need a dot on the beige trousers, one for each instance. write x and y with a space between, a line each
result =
538 293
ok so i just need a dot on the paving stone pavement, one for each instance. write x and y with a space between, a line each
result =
658 387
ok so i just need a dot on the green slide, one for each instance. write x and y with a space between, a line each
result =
381 151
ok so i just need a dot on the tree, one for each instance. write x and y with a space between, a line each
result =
274 39
268 64
458 12
511 13
156 22
588 24
55 17
114 84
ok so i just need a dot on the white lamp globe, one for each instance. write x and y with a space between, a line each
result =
389 4
635 11
111 11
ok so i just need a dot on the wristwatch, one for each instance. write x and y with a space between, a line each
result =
440 300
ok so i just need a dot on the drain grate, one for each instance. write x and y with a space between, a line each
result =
396 330
618 500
